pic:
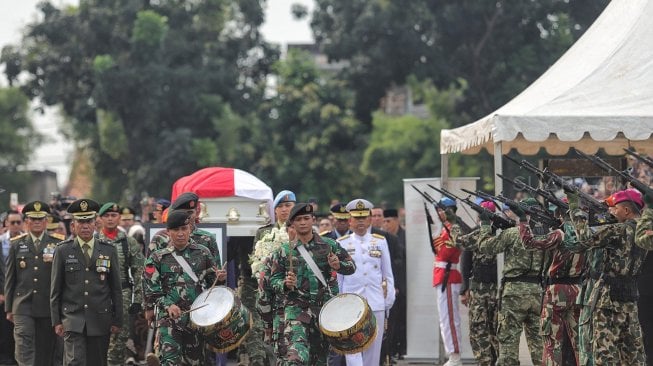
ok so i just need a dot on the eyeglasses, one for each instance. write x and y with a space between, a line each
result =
15 222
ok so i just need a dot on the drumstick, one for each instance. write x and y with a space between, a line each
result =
290 266
193 309
214 283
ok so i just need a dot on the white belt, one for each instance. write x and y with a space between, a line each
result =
439 264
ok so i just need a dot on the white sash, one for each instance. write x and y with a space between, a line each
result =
186 267
312 265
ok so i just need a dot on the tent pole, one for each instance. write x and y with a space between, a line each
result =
498 168
444 170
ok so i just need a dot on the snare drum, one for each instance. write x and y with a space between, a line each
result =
348 323
224 322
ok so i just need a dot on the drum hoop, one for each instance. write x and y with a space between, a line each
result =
347 332
237 344
362 348
227 317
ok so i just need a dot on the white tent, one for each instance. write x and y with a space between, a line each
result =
599 94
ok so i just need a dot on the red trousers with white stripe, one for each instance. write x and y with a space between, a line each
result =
449 315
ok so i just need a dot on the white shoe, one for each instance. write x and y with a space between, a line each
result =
453 363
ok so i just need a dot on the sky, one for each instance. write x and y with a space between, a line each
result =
56 153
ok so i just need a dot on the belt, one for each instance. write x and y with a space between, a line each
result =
564 280
440 264
529 279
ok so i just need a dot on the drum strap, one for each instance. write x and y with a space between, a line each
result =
186 267
312 265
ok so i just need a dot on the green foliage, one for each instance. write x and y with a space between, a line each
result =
499 47
310 141
19 139
156 90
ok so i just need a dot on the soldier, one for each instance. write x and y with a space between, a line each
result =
269 315
373 278
397 318
304 292
560 311
616 333
173 278
127 215
27 288
479 293
341 223
644 238
85 295
131 265
519 304
161 205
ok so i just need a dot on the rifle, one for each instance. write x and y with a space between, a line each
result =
429 219
592 204
535 214
643 188
643 159
497 221
548 196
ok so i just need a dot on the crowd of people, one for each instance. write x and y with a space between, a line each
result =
72 289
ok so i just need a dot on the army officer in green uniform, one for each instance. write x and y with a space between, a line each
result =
85 295
27 288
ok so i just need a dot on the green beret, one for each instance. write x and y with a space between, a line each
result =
109 207
530 201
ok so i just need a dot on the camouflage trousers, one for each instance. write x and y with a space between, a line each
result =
303 342
585 337
252 351
118 343
483 323
617 336
559 320
180 346
519 311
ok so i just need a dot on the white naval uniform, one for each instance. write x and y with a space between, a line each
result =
371 270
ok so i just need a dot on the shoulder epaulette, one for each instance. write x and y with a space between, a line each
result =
18 237
58 236
343 237
325 232
101 241
69 240
378 236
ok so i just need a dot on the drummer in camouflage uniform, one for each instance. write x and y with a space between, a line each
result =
301 290
173 289
616 334
131 265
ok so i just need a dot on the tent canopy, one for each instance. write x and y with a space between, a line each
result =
599 94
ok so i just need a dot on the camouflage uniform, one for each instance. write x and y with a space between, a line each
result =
644 239
644 231
482 300
560 311
160 240
616 334
304 344
520 294
118 342
260 297
165 284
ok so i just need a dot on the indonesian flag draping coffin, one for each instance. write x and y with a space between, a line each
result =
230 196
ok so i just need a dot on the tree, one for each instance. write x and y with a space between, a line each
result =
19 140
310 141
499 47
155 90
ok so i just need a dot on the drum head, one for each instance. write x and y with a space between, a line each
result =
342 312
220 303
